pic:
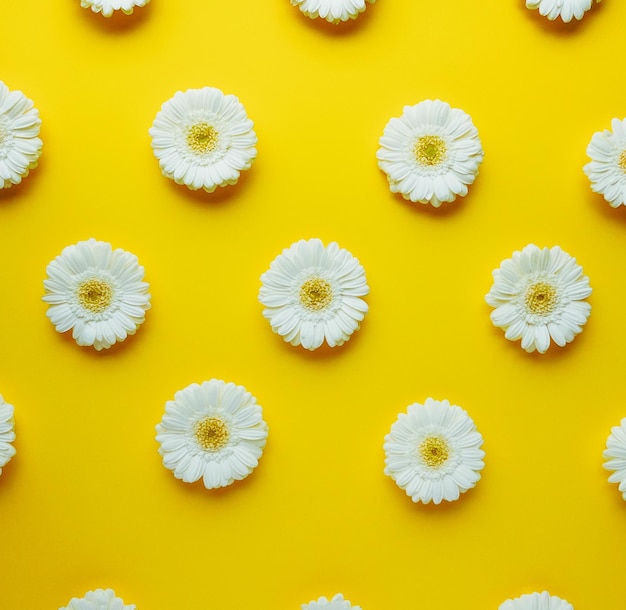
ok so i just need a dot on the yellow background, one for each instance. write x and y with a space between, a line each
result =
86 502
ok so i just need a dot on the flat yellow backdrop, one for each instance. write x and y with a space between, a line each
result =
86 502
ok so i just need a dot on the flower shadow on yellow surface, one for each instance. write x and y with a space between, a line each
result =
602 207
23 189
220 196
118 23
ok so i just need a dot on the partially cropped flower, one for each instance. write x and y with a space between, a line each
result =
100 599
433 452
538 296
431 153
7 433
536 601
20 146
334 11
336 603
615 456
607 169
213 431
312 293
203 139
108 7
97 292
565 9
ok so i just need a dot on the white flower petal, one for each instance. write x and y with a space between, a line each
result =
108 7
616 448
100 599
212 431
96 292
336 603
433 452
536 601
334 11
311 293
565 9
537 296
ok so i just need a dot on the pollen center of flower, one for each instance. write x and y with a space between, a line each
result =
202 138
430 150
434 451
95 295
212 433
621 161
540 298
316 294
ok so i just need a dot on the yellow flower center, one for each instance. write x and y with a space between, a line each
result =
212 433
430 150
202 138
621 161
95 295
316 294
540 298
434 451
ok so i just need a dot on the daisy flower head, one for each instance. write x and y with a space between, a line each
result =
565 9
336 603
334 11
100 599
607 169
203 139
433 452
536 601
431 153
312 293
7 433
108 7
615 456
538 296
97 292
20 146
213 431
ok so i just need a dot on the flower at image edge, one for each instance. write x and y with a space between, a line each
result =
100 599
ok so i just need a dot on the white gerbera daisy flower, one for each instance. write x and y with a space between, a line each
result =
607 169
312 293
100 599
203 139
615 454
333 11
7 433
337 602
536 601
431 153
96 291
214 431
20 147
565 9
538 295
433 452
108 7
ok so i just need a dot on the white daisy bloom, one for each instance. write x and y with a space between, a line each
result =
214 431
538 295
7 433
615 454
311 293
96 291
203 139
607 169
433 452
20 146
334 11
565 9
431 153
100 599
337 602
108 7
536 601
